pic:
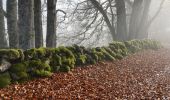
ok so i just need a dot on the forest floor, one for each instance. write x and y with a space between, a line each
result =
144 75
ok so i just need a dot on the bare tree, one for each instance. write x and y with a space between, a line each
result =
121 20
38 24
135 18
3 40
26 24
12 23
106 18
51 23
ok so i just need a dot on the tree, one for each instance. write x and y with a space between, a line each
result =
121 20
135 18
3 40
142 31
51 23
26 24
106 18
38 24
12 23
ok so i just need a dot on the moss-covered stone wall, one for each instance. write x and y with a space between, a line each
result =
17 65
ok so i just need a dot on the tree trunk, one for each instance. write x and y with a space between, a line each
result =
38 24
142 29
51 23
26 24
121 20
12 23
104 14
135 18
3 39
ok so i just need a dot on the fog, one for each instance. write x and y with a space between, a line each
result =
160 28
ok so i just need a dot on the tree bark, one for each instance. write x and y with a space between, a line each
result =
121 20
12 23
26 24
135 18
38 24
51 23
142 29
104 14
3 39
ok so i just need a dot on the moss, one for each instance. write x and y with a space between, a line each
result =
90 60
63 51
22 56
56 60
35 53
68 61
19 71
5 79
9 54
119 56
41 52
38 65
42 73
81 60
64 68
55 68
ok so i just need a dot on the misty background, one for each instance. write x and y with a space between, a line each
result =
66 34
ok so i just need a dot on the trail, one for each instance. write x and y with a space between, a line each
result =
144 75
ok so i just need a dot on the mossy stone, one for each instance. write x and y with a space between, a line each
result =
9 54
5 79
19 71
64 68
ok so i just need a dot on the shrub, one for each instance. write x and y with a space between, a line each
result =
5 79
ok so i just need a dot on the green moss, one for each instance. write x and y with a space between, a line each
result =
5 79
63 51
42 73
90 60
36 53
41 52
56 60
29 54
22 56
38 65
19 71
64 68
119 56
81 60
9 54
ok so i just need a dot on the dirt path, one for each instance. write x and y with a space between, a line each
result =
145 75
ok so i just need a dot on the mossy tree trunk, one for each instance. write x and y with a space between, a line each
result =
51 23
38 24
26 24
3 39
12 23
